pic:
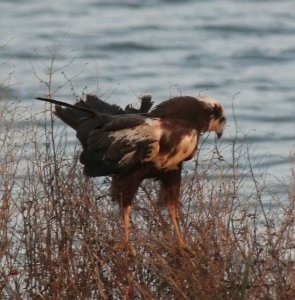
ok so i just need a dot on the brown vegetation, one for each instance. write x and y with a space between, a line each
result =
57 227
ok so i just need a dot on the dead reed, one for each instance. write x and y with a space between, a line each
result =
57 227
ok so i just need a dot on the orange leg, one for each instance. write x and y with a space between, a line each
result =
170 189
123 191
173 215
126 221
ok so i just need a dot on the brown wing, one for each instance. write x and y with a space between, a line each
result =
120 145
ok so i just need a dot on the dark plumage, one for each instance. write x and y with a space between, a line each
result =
134 144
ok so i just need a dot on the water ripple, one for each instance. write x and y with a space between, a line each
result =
128 46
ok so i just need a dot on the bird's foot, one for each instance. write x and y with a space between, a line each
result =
125 246
186 249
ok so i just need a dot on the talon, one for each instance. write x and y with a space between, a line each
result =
188 250
181 243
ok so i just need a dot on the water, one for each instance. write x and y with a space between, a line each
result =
122 49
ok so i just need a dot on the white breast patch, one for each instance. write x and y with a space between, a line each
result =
182 151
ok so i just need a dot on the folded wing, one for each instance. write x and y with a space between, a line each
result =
120 145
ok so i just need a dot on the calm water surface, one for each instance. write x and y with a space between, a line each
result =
122 49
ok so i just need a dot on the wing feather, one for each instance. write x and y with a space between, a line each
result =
121 144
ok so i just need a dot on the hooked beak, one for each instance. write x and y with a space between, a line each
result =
219 134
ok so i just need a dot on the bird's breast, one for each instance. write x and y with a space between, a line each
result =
177 148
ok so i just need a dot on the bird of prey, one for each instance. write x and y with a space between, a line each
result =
134 144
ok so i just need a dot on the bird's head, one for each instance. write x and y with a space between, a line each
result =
217 116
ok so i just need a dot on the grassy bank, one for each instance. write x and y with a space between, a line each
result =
57 227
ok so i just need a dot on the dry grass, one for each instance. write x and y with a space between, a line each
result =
57 227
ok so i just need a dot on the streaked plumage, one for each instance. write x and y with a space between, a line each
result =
132 145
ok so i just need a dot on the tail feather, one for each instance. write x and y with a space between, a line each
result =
61 103
70 114
103 107
92 107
